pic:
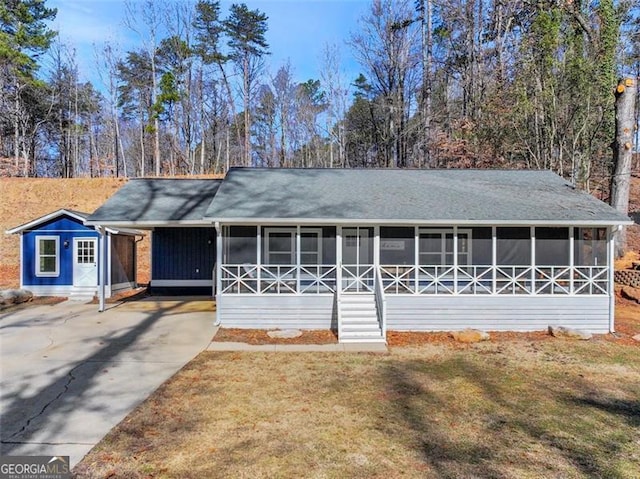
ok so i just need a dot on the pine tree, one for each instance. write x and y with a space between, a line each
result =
246 30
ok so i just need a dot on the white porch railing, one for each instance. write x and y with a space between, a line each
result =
358 278
502 280
398 279
277 279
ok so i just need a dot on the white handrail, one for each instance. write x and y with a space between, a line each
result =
381 302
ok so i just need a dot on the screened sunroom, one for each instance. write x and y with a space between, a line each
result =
414 260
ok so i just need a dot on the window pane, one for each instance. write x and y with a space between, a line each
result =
552 246
590 246
397 245
481 245
513 246
47 246
280 242
308 242
430 242
463 243
240 244
279 258
309 258
431 258
449 243
47 264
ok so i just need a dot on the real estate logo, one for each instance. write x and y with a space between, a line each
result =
34 467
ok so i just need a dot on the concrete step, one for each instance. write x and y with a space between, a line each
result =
369 333
358 299
80 293
360 318
362 339
359 313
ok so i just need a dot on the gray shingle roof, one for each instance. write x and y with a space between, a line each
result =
158 200
422 196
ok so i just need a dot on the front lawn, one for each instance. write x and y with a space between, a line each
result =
519 408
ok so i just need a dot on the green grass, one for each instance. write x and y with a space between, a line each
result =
515 409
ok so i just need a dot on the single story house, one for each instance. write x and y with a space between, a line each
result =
182 242
366 251
59 256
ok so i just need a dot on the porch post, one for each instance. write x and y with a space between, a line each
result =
611 254
258 258
455 259
494 259
571 258
218 286
533 259
376 246
102 267
298 256
416 257
338 258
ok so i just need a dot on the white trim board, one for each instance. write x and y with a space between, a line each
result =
409 222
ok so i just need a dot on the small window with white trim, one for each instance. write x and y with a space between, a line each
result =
280 246
310 246
47 256
436 247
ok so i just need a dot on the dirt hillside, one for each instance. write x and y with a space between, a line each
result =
24 199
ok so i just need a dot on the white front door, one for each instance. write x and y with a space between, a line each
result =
85 262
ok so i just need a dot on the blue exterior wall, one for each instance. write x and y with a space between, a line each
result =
65 228
183 253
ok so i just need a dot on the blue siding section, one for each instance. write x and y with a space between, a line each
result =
183 253
65 228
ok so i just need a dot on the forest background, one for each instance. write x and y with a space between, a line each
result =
440 84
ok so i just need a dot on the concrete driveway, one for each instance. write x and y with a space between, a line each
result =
68 374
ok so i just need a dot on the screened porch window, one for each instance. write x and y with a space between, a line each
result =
436 247
47 256
280 246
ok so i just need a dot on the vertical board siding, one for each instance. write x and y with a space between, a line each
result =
502 313
277 311
183 253
65 228
122 259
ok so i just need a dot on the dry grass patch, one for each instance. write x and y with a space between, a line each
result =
511 409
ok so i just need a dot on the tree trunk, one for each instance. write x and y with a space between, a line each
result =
247 118
622 154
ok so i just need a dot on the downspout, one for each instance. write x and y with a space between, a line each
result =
218 272
102 266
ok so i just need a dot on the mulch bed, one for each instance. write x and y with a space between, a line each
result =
260 337
394 338
403 339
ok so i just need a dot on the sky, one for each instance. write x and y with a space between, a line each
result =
298 31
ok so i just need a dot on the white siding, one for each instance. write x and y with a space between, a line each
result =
277 311
497 313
